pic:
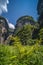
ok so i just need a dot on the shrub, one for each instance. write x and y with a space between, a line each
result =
21 55
41 35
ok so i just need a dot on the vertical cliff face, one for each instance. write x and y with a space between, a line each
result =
40 7
6 29
3 29
40 12
24 20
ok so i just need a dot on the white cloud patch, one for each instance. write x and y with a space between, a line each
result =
11 26
3 6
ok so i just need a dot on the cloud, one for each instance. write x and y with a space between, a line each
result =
3 6
11 26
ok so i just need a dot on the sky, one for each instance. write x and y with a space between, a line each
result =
14 9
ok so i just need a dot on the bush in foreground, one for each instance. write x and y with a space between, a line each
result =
21 55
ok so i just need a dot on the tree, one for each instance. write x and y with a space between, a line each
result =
36 31
25 33
41 35
24 20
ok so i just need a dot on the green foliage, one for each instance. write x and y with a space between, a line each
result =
41 36
21 55
41 33
31 42
25 33
7 54
13 40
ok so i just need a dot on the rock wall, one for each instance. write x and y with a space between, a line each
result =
3 29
